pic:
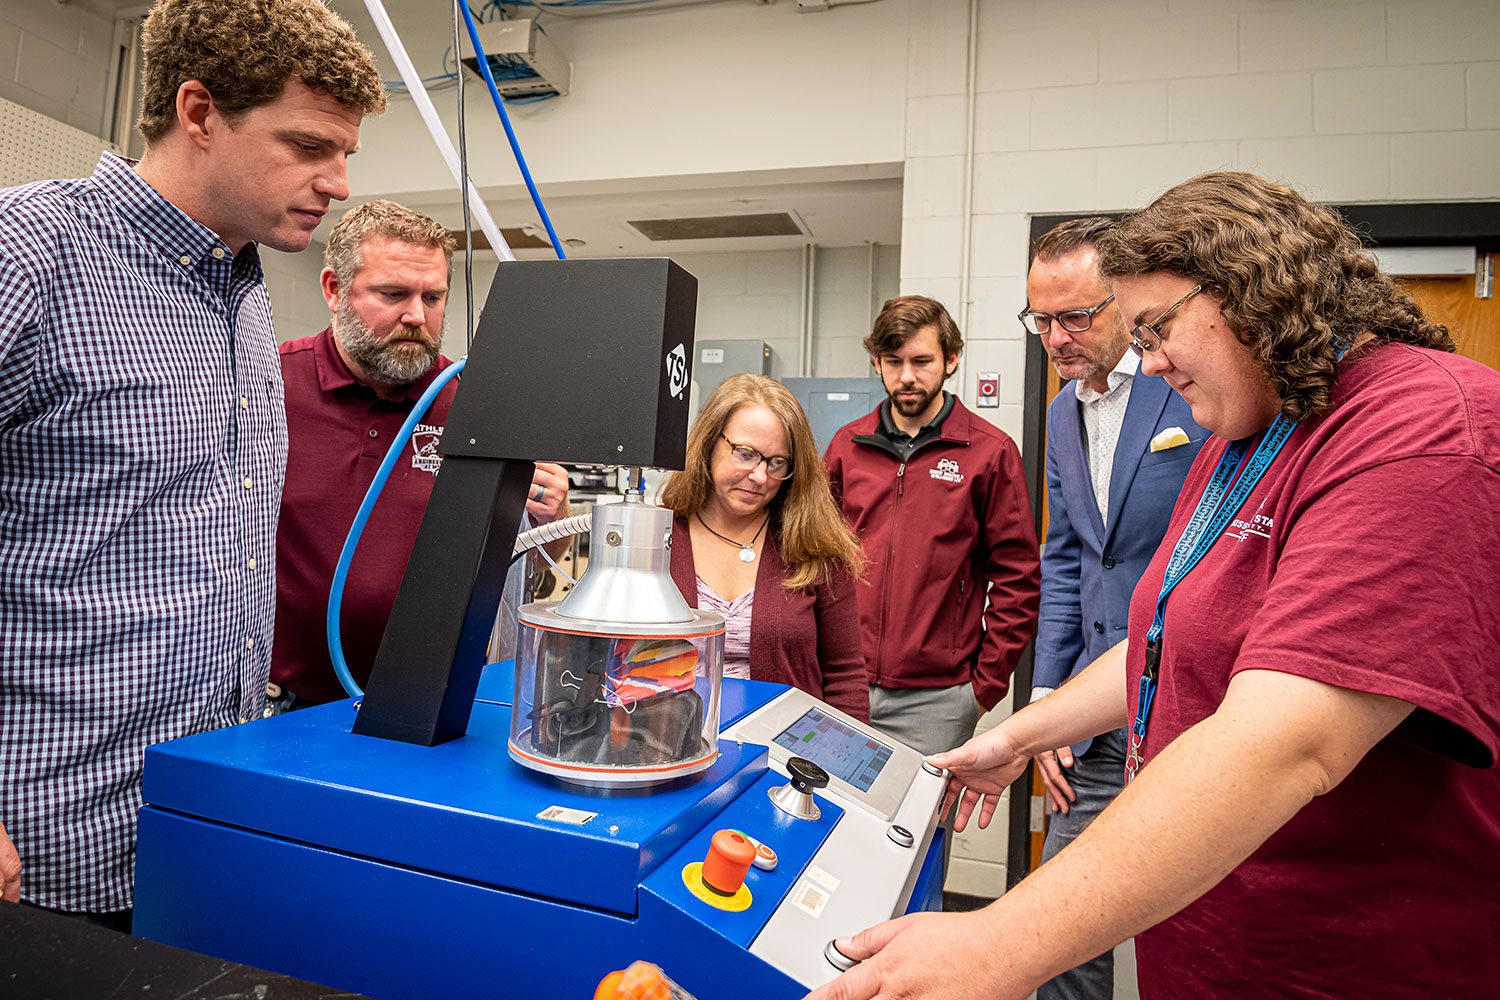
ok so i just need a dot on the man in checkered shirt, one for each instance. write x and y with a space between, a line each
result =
142 433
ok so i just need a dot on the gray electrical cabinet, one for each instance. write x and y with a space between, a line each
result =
716 360
830 403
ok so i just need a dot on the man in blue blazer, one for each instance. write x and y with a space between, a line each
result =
1119 445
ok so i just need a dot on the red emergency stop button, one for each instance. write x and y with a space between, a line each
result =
730 854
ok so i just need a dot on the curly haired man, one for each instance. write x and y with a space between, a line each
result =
142 434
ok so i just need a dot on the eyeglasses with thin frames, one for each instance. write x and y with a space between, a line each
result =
746 458
1148 336
1071 320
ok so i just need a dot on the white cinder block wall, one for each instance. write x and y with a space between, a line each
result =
1102 104
297 304
54 59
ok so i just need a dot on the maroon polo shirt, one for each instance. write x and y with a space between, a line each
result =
338 432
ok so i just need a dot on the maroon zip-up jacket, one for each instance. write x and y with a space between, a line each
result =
941 530
808 638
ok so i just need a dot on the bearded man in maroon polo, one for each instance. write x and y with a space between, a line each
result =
349 390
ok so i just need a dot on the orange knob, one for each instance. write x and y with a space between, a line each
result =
730 854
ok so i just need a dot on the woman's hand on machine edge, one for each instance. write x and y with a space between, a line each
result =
933 955
980 770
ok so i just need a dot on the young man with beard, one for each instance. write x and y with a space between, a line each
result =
938 497
1119 445
348 391
142 439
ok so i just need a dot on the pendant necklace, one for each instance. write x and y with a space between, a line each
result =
747 549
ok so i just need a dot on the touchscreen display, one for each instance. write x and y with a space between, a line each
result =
841 750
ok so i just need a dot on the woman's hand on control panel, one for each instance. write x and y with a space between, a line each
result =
979 771
953 956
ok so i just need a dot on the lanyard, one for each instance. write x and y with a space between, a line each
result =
1221 500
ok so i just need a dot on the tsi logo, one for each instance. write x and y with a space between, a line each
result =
677 371
947 471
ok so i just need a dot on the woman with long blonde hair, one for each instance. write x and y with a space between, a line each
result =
759 539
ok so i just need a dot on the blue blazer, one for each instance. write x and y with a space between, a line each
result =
1090 568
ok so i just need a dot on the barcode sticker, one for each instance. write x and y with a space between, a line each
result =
563 814
810 898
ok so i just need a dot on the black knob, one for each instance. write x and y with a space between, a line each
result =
1098 626
806 775
1109 562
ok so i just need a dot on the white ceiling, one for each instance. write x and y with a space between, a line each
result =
837 206
833 213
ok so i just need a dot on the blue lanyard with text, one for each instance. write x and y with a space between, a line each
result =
1221 500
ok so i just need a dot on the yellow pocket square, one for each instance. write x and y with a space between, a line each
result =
1172 437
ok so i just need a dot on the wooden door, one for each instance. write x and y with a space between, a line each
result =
1474 324
1039 803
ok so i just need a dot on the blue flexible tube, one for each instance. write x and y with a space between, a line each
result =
515 146
341 572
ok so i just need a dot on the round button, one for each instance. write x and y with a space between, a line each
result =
373 432
185 260
765 858
1099 627
249 483
730 855
1109 562
900 835
838 959
218 253
932 768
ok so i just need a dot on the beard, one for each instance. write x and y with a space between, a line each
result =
914 406
1088 364
392 359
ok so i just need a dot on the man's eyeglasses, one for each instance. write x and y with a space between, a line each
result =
1148 336
746 458
1073 320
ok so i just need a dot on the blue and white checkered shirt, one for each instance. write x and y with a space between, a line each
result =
142 449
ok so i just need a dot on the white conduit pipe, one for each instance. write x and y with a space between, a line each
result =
575 525
964 283
418 91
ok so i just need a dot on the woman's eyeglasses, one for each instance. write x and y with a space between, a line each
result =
1148 336
746 458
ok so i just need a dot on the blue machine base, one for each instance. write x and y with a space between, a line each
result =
399 871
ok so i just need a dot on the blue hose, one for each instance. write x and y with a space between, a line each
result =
341 572
515 147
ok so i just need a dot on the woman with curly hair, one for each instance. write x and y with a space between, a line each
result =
1312 674
759 539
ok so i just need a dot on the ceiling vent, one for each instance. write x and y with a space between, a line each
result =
719 227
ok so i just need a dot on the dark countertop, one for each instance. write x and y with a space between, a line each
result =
44 955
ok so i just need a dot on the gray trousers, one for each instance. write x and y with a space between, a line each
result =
929 720
1097 778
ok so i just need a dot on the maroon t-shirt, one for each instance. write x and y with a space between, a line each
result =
338 432
1368 557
